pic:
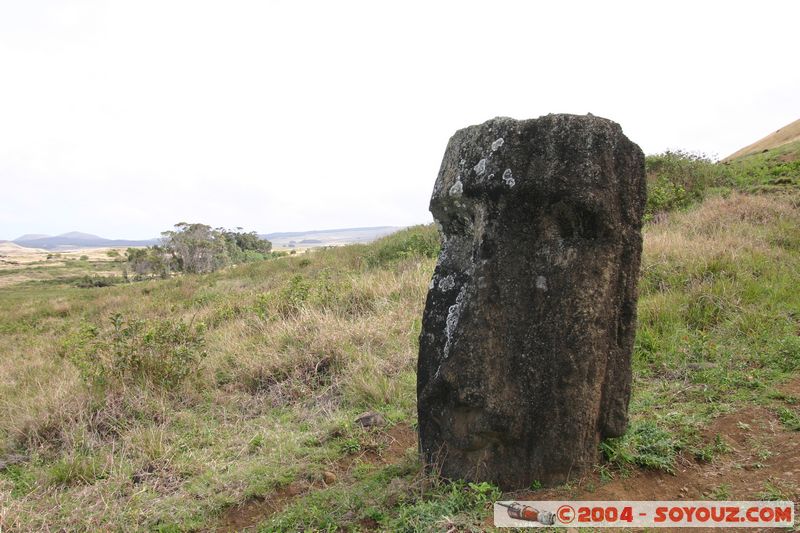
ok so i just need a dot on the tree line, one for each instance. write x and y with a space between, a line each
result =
198 248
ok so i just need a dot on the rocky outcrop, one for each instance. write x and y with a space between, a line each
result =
525 350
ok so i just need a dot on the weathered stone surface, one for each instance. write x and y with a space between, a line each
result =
524 362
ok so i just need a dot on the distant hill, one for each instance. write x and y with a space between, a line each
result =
76 239
327 237
30 237
785 135
290 239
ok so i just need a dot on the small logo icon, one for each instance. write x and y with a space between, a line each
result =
518 511
565 514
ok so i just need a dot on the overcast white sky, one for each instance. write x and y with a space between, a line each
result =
123 118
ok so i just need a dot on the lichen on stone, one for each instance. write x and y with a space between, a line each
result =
446 283
453 314
508 177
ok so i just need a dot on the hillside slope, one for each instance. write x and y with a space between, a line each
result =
239 410
785 135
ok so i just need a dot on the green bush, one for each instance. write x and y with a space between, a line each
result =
136 352
664 195
252 255
288 301
789 418
676 179
416 241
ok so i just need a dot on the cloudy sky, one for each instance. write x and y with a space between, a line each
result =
123 118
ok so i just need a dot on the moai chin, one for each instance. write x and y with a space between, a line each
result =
525 351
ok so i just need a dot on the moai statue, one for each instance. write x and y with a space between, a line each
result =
525 350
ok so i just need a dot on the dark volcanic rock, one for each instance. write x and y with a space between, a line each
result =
524 362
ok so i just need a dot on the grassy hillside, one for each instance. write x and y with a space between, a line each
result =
228 400
787 134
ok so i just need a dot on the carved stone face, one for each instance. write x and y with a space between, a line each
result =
531 308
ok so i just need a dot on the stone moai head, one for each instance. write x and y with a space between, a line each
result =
529 323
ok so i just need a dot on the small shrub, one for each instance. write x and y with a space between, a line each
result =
261 306
350 445
225 312
709 452
136 352
340 294
789 418
665 195
645 445
776 490
294 295
719 493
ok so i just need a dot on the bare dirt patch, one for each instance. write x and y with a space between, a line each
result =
763 462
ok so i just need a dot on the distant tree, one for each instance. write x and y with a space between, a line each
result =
153 260
243 247
196 247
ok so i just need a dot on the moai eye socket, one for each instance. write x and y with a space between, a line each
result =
579 221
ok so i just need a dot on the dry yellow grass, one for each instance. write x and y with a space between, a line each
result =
18 254
19 264
285 373
729 227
